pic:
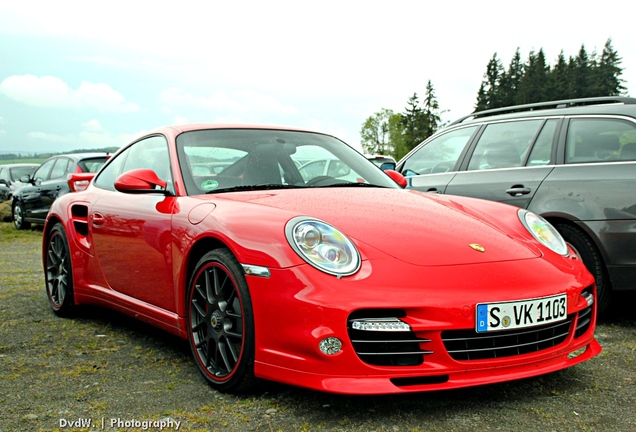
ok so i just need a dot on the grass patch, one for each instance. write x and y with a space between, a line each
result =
5 211
8 233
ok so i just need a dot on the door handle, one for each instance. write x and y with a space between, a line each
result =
518 190
432 190
98 220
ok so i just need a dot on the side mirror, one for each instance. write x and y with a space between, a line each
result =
141 180
387 166
397 177
4 182
26 179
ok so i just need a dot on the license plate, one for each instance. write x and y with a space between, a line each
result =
521 313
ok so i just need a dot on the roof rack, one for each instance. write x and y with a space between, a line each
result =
566 103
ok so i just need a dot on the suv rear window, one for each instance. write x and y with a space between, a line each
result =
91 165
600 140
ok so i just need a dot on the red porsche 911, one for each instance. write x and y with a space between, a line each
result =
342 282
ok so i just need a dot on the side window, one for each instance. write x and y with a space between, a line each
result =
151 153
504 145
541 153
43 172
59 170
600 140
4 175
440 154
106 178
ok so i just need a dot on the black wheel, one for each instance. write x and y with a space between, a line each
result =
18 217
589 253
221 322
58 272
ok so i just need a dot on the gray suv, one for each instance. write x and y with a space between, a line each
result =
572 161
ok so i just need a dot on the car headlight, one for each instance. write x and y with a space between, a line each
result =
322 246
543 231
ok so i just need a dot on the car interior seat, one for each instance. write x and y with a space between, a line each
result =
628 152
261 166
502 155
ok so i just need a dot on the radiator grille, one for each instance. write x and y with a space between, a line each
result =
470 345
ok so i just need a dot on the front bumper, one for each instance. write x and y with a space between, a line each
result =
296 308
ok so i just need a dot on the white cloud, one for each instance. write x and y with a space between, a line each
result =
52 92
92 126
91 135
234 102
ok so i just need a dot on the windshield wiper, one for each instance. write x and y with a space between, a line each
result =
257 187
350 184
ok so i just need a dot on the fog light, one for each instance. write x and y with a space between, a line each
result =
380 324
589 298
330 345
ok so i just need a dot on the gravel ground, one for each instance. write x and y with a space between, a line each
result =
118 374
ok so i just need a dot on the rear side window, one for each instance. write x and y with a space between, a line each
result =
504 145
600 140
439 154
60 168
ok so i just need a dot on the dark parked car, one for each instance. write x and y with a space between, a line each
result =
10 175
31 203
571 161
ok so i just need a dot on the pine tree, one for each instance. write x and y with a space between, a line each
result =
586 75
414 121
431 111
559 86
581 77
607 81
482 103
534 84
511 81
489 90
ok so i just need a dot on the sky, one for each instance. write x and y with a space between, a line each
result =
85 74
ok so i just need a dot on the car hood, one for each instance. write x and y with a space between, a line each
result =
417 228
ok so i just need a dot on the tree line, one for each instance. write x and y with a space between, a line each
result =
585 75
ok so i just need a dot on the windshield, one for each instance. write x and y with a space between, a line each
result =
223 160
18 172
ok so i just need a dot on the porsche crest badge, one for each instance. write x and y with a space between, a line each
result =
477 247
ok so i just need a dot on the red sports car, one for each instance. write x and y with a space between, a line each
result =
345 284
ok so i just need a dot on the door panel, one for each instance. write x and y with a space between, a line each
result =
132 240
515 186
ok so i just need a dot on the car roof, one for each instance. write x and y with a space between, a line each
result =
200 126
20 165
81 156
600 105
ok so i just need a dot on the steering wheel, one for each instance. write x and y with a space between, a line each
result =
316 180
442 167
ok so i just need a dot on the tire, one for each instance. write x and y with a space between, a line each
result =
589 253
58 272
220 323
18 217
